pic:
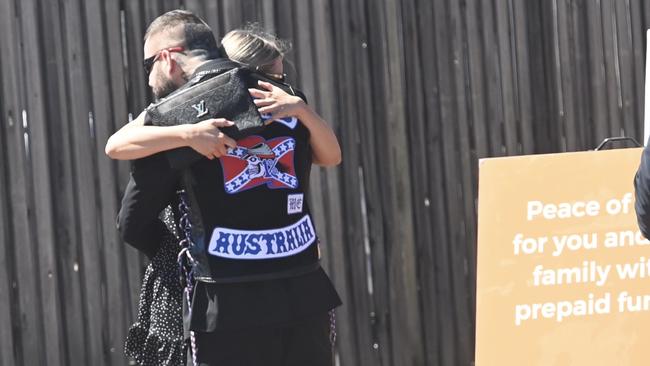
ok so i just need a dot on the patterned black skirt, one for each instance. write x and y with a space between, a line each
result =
156 338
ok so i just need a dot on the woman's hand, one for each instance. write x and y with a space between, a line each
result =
277 103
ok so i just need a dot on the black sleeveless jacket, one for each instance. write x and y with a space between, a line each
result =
249 214
248 210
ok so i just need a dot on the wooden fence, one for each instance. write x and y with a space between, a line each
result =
417 90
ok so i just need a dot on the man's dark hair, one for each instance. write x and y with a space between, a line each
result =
198 38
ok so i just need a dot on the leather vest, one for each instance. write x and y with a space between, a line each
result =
247 213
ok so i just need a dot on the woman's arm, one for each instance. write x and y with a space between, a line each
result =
135 140
279 104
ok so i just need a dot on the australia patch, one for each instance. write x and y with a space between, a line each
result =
263 244
256 161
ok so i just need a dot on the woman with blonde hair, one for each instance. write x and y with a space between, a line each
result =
255 47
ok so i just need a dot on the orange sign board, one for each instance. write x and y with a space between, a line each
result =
563 272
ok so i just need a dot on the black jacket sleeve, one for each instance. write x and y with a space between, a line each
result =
151 187
642 193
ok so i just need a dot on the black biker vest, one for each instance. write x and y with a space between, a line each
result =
248 212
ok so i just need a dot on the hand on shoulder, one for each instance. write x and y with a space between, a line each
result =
277 103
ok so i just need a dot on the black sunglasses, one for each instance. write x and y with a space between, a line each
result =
270 75
148 62
276 77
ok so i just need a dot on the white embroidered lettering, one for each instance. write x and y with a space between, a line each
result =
263 244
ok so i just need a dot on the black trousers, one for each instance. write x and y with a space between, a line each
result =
306 343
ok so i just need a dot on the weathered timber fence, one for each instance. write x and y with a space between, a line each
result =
417 90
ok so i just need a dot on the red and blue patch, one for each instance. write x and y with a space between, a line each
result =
256 161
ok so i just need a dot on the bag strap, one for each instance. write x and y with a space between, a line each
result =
217 67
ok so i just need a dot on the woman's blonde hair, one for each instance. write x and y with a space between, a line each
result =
254 47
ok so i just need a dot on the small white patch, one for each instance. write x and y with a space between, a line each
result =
290 122
294 203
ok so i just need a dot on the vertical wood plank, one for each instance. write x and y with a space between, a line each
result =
137 84
626 68
539 49
152 9
405 316
251 11
370 286
83 165
7 357
438 110
39 163
476 79
60 153
416 99
139 95
232 15
119 104
581 74
565 75
351 348
28 320
115 298
523 82
494 114
612 67
336 218
456 353
462 164
307 81
268 18
506 75
212 12
638 39
599 106
284 21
